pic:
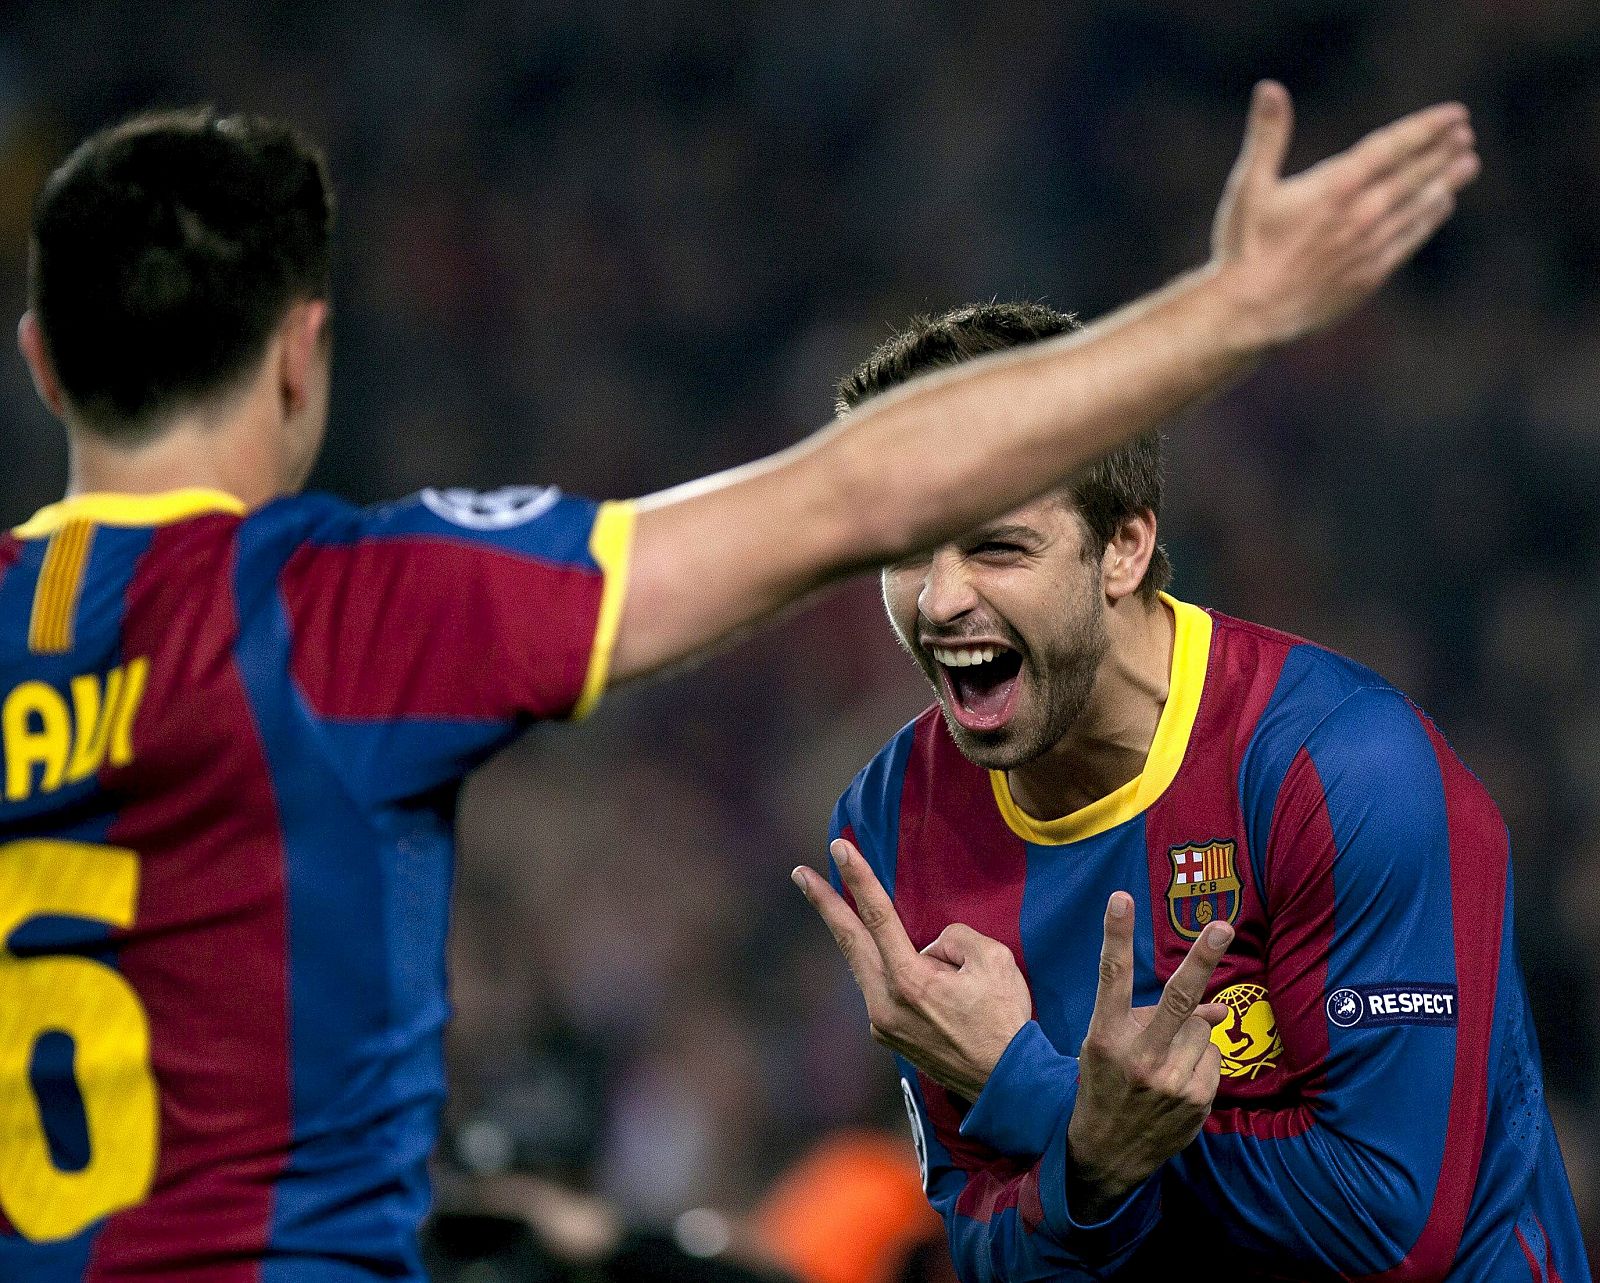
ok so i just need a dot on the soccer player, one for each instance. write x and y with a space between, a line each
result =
234 718
1304 1050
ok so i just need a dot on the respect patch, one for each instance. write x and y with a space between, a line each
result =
1393 1004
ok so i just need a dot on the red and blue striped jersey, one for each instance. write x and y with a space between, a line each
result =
232 746
1381 1111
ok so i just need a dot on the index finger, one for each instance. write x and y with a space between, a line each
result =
873 906
1186 988
1383 149
860 955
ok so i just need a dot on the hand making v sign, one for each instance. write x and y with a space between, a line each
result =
1148 1075
952 1009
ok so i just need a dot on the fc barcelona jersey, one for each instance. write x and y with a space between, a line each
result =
231 747
1380 1112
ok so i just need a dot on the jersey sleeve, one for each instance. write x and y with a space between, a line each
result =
1387 871
995 1171
1007 1212
425 633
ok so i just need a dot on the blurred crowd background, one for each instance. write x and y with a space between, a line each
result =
617 246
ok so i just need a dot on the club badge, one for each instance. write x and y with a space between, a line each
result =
1204 887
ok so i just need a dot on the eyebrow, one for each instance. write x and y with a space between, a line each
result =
1013 533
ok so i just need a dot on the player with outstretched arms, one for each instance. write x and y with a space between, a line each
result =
235 717
1216 967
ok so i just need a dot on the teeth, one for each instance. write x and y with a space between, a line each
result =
965 658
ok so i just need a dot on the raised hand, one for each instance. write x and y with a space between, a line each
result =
1148 1075
950 1010
1300 252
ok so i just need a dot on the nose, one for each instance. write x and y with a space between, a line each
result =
947 589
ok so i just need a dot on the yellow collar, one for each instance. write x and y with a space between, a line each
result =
128 510
1191 649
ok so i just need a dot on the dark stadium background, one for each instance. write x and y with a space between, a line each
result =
616 246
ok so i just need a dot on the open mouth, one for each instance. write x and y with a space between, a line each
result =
980 683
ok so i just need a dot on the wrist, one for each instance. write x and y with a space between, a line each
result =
986 1061
1241 311
1096 1183
1100 1237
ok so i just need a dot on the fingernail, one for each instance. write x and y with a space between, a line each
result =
840 851
1118 908
799 879
1217 935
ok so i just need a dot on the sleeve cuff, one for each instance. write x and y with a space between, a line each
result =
1028 1098
1023 1112
610 544
1106 1241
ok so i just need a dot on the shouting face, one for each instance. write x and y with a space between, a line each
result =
1008 624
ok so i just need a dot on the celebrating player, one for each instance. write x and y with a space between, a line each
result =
235 719
1308 1050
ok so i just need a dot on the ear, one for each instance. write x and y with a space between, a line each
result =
1127 555
301 351
30 341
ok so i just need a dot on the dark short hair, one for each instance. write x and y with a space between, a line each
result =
1127 481
165 251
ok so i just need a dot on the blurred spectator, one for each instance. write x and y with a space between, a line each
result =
850 1211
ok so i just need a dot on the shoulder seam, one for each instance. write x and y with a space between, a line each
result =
1369 688
1260 630
319 735
298 542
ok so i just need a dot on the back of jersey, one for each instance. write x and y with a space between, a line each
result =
103 855
230 747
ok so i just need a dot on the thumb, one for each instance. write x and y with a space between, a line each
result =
956 945
1266 135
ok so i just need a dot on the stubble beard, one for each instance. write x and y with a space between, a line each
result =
1061 676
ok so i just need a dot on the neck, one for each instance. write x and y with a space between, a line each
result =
1109 742
236 449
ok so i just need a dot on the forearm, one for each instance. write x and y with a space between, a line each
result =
948 450
919 465
1282 1185
941 454
1022 1113
1350 1206
988 1245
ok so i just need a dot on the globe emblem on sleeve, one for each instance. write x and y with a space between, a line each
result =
1248 1039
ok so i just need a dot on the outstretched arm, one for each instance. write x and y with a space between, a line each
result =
956 447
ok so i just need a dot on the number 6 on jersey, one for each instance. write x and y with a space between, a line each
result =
96 1008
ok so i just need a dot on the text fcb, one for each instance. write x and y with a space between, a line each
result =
1204 887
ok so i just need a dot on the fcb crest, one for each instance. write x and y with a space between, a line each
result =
1204 887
